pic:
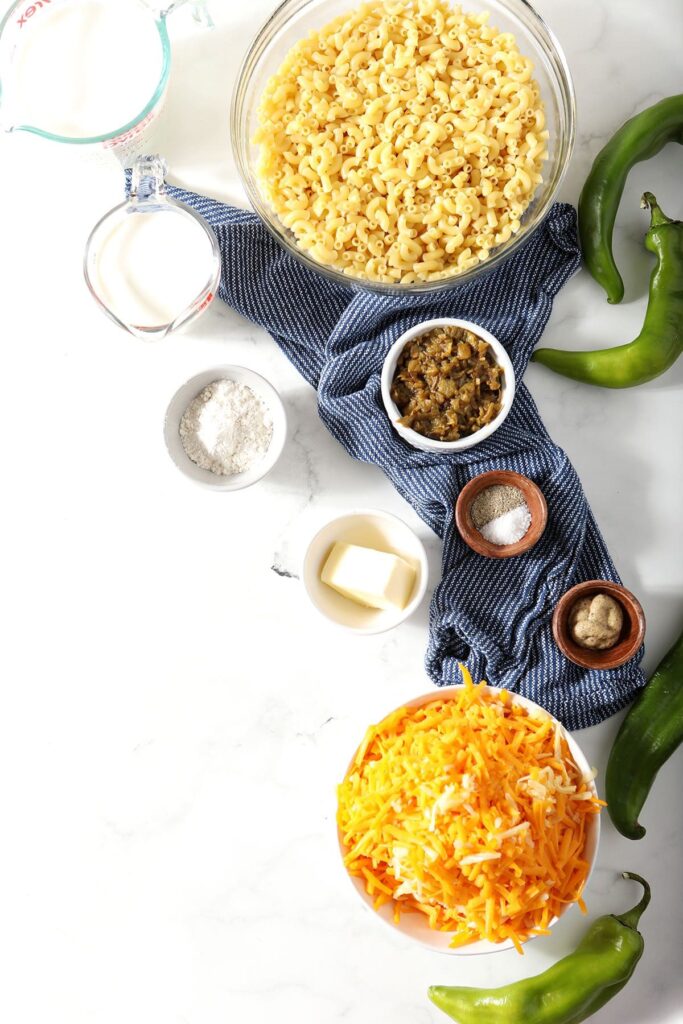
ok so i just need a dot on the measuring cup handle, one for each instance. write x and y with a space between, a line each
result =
199 10
149 179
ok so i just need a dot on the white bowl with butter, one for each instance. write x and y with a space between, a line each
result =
366 574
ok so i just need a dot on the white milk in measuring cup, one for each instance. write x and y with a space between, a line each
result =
152 264
85 71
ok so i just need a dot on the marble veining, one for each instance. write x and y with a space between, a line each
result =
175 716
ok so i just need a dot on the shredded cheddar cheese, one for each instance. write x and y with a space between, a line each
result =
469 810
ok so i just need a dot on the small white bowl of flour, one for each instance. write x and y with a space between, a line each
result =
226 428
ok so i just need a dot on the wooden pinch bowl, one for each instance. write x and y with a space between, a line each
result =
632 633
533 496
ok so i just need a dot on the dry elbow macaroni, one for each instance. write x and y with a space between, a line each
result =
402 142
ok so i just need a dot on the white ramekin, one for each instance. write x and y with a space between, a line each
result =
370 528
427 444
179 403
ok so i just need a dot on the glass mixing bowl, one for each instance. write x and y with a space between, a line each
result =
294 19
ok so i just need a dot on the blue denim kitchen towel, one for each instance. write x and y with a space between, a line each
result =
492 614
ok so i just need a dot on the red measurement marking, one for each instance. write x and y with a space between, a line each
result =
30 11
205 303
121 140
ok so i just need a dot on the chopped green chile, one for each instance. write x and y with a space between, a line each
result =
447 384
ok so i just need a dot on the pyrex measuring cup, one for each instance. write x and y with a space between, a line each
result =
86 71
152 264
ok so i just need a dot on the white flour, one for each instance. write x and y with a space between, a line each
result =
226 428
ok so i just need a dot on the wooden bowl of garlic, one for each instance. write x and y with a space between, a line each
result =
599 624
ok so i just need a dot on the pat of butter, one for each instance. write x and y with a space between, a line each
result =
376 579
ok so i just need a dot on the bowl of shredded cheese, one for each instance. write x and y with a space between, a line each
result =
403 145
469 820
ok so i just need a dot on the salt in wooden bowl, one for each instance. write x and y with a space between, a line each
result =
533 497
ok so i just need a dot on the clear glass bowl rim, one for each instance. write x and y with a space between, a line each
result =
545 39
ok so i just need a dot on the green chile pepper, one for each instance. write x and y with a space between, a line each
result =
567 993
660 342
650 733
639 139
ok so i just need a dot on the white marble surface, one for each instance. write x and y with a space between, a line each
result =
174 718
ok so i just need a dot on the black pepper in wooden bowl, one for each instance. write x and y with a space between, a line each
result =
448 384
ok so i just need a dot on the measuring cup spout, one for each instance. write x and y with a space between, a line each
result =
5 125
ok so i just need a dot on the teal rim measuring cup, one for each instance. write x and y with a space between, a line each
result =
23 20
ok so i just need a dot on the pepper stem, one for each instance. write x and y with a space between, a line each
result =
657 216
631 918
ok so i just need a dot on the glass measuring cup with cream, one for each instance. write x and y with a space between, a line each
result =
152 263
85 71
